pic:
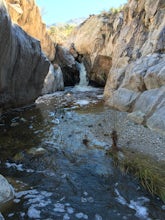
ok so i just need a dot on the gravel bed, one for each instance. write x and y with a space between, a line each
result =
131 135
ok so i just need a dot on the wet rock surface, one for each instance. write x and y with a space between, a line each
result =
67 63
6 191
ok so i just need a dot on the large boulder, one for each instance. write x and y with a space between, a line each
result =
54 80
23 66
6 190
123 99
67 62
27 15
99 71
157 120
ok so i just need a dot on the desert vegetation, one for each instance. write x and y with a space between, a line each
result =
59 33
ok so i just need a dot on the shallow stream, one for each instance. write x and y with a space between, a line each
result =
54 155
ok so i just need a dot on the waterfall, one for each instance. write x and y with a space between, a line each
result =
83 75
83 84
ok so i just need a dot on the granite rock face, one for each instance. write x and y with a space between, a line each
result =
67 62
27 15
23 66
134 40
54 80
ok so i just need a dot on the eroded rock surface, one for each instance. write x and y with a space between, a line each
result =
27 15
54 80
68 66
23 66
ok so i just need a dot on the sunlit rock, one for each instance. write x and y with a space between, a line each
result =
157 120
54 80
68 66
27 15
23 66
6 191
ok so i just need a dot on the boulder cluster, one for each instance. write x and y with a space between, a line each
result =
124 51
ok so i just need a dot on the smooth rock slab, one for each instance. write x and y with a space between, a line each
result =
23 66
149 100
6 190
53 81
157 120
123 99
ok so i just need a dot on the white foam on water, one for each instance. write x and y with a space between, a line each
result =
79 88
141 211
81 215
22 214
82 102
66 217
33 213
119 198
23 193
85 193
138 206
36 200
18 167
59 207
100 96
16 200
83 200
10 215
56 121
70 210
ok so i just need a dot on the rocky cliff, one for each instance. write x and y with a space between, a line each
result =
27 15
23 66
133 42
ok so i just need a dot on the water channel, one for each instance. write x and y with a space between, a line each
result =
54 155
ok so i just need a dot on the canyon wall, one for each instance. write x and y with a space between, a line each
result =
133 40
23 66
27 15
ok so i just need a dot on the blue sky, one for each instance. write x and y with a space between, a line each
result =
58 11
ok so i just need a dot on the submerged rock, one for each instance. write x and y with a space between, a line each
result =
23 66
6 190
